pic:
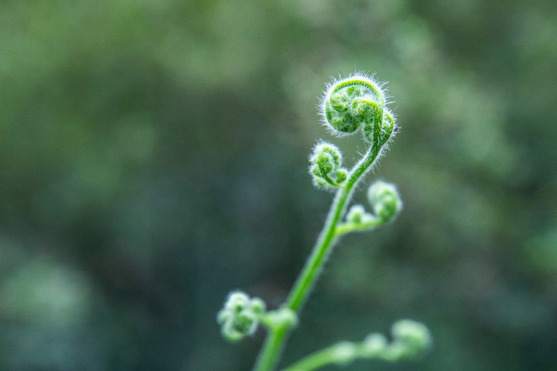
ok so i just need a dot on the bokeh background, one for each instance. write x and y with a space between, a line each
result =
153 157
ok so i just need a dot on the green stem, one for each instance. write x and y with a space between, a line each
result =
275 342
324 357
326 177
352 227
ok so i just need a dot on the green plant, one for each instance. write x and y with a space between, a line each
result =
356 103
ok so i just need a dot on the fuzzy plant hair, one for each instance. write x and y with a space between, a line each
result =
351 105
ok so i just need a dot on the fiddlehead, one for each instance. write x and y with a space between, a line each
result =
240 316
325 167
385 200
358 102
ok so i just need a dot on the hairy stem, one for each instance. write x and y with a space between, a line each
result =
276 339
351 227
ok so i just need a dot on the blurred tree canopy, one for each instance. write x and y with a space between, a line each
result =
153 156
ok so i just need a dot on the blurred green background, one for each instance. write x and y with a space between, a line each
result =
153 157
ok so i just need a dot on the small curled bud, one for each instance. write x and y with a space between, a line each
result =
356 102
385 200
240 316
374 345
344 353
411 339
325 167
358 215
357 219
